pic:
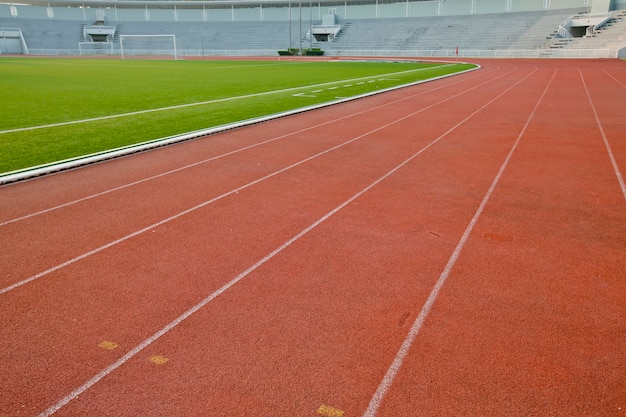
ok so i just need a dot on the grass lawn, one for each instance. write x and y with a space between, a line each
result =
55 109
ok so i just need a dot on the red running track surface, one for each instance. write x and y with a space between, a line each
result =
453 248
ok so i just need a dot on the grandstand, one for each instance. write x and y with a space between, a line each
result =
476 28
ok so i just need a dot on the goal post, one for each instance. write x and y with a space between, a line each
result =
95 48
148 47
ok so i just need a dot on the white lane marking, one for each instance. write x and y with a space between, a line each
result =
395 366
133 352
69 203
607 145
234 191
616 80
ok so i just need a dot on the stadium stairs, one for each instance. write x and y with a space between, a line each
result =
611 35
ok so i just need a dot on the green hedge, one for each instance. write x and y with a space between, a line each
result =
313 52
289 52
295 51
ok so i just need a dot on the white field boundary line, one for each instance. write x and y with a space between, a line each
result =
202 103
395 366
309 94
69 203
607 145
147 342
127 150
234 191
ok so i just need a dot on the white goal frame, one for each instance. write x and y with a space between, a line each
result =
144 50
95 48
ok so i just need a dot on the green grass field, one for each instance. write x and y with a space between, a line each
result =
56 109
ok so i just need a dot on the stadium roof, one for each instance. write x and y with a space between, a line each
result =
193 3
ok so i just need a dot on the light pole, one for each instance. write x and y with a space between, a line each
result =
289 27
300 30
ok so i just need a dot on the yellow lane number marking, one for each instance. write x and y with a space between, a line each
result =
328 411
107 345
159 360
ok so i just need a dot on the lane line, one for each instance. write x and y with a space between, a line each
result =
395 366
133 352
234 191
616 80
607 145
24 217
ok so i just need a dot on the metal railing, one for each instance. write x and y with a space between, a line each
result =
439 53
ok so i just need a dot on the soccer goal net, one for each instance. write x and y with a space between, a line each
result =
148 47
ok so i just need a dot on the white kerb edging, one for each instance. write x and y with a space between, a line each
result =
40 170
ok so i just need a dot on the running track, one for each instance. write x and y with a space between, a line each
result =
457 248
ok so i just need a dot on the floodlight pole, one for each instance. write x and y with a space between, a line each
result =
289 26
300 30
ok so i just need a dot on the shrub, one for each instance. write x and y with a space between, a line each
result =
313 52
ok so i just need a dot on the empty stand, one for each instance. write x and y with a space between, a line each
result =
263 30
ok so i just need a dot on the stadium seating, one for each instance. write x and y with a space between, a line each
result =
258 31
473 32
